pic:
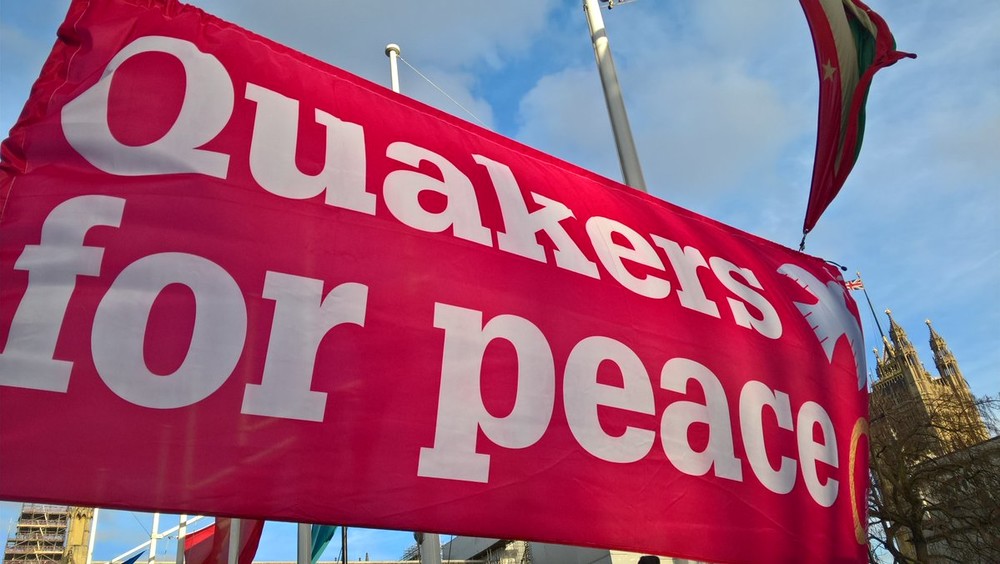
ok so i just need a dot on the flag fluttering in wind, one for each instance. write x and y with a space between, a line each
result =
210 545
134 558
321 535
852 43
855 284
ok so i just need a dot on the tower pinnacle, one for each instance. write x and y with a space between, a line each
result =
937 342
944 360
899 338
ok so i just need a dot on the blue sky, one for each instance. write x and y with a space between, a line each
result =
722 99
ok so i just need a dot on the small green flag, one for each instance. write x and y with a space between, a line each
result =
321 535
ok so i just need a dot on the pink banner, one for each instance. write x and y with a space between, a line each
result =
237 281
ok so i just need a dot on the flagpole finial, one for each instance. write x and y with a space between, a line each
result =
393 52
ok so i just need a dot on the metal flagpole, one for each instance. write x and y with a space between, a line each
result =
430 549
234 540
181 534
865 290
392 51
343 544
304 551
627 154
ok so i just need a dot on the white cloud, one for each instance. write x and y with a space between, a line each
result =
565 115
709 129
446 41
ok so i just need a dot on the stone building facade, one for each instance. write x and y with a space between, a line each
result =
929 443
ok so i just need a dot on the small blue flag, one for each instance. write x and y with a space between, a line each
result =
134 558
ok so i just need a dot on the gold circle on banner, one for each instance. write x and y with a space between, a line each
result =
860 428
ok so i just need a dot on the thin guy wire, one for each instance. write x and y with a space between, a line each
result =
140 524
431 82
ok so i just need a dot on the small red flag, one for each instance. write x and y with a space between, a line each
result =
855 284
852 43
210 545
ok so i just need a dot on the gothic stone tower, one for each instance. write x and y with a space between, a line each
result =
907 398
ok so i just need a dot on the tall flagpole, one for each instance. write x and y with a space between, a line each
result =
392 51
181 536
872 308
304 549
234 540
627 154
430 549
343 543
430 540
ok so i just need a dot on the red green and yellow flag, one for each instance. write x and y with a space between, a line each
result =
852 43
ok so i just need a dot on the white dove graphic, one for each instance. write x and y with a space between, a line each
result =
829 317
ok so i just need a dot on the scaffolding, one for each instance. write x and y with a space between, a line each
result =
40 536
507 552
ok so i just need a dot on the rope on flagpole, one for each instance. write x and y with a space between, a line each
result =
439 89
